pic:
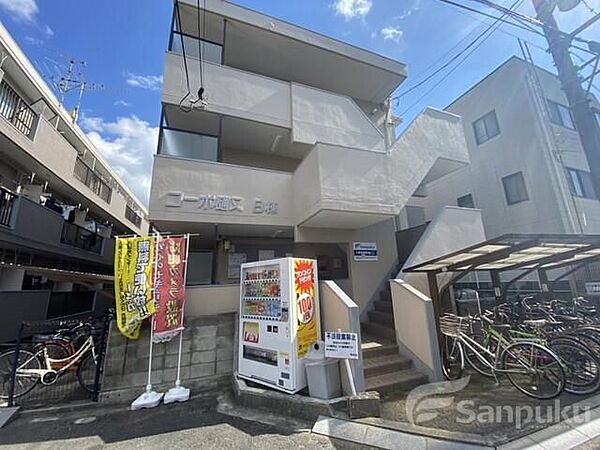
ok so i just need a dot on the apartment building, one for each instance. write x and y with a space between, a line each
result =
60 203
528 171
292 150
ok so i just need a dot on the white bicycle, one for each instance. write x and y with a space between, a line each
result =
48 361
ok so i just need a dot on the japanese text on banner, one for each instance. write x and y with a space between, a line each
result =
134 264
170 287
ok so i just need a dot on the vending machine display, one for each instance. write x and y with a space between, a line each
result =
279 321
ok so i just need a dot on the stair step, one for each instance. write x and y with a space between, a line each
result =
385 295
385 318
385 364
395 382
383 306
378 329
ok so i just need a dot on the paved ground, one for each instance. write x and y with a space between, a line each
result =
195 424
481 393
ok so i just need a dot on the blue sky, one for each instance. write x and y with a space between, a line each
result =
123 44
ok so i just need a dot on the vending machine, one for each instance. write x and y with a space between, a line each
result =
279 321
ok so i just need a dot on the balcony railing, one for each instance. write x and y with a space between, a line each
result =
88 177
79 237
132 216
7 202
16 110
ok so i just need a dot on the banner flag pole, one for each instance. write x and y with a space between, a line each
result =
150 398
180 393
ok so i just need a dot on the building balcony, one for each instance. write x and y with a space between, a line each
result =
332 187
306 114
25 224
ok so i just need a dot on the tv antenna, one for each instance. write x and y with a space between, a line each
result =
73 80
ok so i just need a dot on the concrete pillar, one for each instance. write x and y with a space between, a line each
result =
11 279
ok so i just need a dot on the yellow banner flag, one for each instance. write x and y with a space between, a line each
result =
134 270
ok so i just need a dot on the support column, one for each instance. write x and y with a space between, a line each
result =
497 285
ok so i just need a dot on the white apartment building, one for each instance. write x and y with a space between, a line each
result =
528 172
294 152
60 203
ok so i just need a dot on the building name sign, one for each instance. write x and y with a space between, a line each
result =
219 202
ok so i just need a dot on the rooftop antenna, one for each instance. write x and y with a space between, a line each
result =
73 80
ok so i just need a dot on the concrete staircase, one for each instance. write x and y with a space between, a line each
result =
386 371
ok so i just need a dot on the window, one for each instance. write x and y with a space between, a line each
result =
183 144
466 201
211 52
560 115
514 188
486 127
580 183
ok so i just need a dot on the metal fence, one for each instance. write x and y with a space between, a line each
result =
16 110
80 237
48 365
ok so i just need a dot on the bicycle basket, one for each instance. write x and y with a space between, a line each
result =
452 325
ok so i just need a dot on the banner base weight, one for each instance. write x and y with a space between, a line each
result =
177 394
148 399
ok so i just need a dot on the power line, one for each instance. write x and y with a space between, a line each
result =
454 58
520 25
489 30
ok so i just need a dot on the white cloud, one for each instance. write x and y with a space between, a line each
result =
20 10
351 9
127 145
46 31
391 33
122 103
151 82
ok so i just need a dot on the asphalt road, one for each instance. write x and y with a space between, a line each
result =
195 424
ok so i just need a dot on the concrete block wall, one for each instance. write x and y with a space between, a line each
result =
206 359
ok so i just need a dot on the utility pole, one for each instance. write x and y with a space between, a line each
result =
583 115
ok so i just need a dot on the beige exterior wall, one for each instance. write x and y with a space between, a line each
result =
211 300
56 150
175 179
57 155
319 116
527 143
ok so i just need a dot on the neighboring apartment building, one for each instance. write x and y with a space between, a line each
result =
528 171
294 152
60 203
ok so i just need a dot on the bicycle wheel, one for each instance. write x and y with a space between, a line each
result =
24 381
86 372
534 370
582 368
453 360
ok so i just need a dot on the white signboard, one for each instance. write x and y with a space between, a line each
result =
234 264
593 288
339 344
364 251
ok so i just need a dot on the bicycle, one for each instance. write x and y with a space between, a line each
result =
42 366
531 367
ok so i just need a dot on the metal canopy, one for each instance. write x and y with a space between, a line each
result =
517 251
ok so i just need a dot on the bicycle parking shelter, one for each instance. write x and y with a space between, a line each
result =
527 253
